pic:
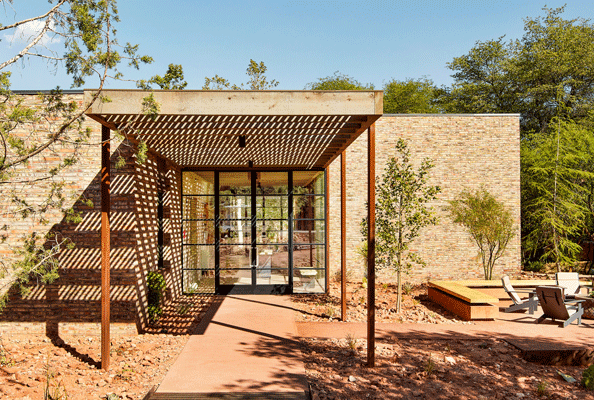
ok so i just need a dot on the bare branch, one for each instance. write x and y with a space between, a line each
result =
52 11
44 56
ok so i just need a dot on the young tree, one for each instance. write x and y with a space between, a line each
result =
557 186
489 223
87 30
402 210
257 81
338 81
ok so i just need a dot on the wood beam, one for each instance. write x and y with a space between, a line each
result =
105 246
371 247
343 283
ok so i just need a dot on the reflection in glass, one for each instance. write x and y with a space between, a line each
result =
309 231
198 232
236 232
236 277
309 207
273 256
198 207
308 256
309 280
271 276
235 183
235 256
308 182
198 182
272 207
270 183
198 257
274 232
202 281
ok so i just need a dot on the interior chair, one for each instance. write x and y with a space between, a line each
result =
530 302
553 306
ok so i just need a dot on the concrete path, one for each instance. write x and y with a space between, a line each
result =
245 345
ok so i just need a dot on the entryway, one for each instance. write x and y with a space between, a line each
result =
254 232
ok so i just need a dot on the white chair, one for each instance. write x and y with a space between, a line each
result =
531 302
570 281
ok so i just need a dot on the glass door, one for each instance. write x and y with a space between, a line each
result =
253 232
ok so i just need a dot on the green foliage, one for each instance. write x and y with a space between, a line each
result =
402 210
53 389
172 80
155 284
525 75
87 30
557 177
588 378
257 80
489 223
338 81
542 389
411 96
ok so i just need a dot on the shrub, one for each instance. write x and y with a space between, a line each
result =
588 378
155 283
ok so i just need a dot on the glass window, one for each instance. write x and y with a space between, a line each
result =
198 182
198 257
233 183
308 182
198 232
272 183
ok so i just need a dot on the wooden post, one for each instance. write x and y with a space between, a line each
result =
327 241
343 288
105 247
371 248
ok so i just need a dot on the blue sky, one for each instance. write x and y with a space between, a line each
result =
299 41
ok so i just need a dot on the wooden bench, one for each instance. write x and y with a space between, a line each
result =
467 303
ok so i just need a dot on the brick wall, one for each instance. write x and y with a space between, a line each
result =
468 151
75 296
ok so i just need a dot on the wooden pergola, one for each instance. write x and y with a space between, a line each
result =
259 130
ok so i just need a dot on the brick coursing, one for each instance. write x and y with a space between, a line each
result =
468 151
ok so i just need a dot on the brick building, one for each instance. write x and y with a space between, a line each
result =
278 227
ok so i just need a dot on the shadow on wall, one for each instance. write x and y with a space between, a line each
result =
76 296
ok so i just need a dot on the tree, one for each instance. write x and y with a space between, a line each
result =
257 81
489 223
172 80
524 75
87 29
402 210
557 191
411 96
338 81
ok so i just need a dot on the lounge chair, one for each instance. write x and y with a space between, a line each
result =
554 307
571 282
531 302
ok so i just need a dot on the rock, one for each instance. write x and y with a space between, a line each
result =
450 359
352 378
520 395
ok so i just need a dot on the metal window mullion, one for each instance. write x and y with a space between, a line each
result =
254 255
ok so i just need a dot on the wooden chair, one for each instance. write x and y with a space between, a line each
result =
531 302
554 307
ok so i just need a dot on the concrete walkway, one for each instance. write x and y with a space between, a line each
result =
245 347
